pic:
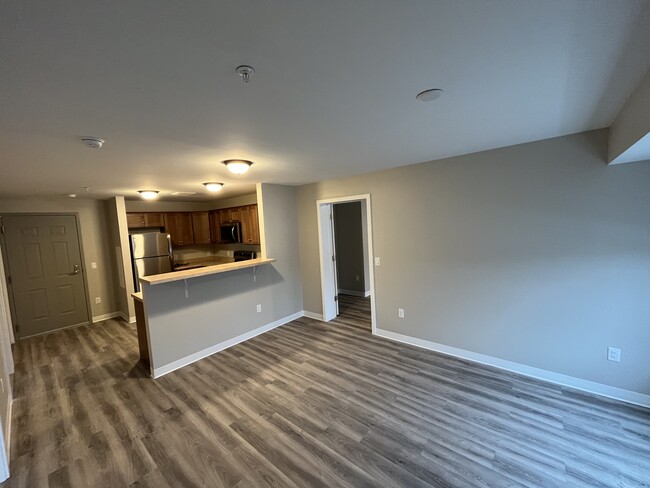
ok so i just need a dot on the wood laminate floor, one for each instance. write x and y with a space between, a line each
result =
307 404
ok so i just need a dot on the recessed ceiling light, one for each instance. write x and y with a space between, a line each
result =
148 194
429 95
238 166
93 142
213 186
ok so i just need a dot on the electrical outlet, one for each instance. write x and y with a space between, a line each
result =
259 307
98 299
400 313
614 354
93 265
377 262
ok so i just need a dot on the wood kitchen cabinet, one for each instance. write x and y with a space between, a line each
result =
250 225
201 228
215 225
230 214
179 226
144 219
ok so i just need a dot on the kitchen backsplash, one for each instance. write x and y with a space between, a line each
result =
204 251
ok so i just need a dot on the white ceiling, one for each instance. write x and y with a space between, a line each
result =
333 93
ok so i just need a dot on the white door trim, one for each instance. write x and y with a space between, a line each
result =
325 237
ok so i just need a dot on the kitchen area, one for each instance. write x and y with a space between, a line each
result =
201 276
168 241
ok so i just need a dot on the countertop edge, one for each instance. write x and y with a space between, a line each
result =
205 271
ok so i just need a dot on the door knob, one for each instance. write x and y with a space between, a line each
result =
76 269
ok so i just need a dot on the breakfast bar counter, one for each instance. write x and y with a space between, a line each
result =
203 271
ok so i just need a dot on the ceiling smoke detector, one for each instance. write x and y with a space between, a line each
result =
93 142
245 72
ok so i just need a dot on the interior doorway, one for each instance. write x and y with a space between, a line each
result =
330 282
46 282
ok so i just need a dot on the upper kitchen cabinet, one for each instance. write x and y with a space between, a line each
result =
179 226
230 214
146 219
250 225
201 228
215 225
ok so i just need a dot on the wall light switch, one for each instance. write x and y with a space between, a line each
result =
400 313
93 265
98 299
377 262
259 307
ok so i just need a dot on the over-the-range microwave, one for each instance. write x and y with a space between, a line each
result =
231 232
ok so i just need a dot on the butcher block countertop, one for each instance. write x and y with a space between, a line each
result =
203 271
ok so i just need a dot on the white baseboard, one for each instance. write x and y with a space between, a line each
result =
106 316
192 358
126 318
312 315
6 449
542 374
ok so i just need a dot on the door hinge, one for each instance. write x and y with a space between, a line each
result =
333 258
2 229
17 329
336 298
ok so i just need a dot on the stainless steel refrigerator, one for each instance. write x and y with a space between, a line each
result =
152 254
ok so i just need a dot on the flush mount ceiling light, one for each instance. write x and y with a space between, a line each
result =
238 166
213 186
93 142
429 95
148 194
245 72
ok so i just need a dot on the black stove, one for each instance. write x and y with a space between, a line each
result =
244 255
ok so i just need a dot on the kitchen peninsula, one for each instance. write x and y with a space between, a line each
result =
154 349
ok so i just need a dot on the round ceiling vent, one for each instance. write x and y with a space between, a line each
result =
429 95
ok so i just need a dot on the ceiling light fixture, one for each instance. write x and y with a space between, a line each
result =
93 142
148 194
429 95
245 72
213 186
238 166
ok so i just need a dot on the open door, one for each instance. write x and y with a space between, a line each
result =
328 262
329 286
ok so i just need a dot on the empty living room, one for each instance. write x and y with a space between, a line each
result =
325 243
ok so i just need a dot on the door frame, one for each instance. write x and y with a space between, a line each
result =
10 290
325 237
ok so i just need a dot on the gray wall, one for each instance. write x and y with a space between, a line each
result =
118 234
349 247
223 306
95 241
537 253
